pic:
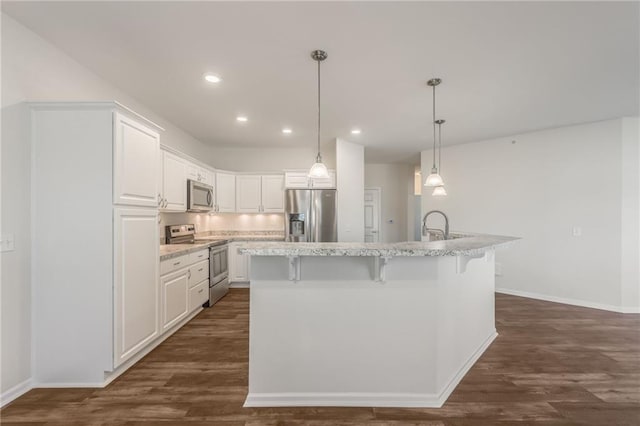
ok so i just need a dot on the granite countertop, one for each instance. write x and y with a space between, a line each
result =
168 251
465 244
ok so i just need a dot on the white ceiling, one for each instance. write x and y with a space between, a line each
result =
507 67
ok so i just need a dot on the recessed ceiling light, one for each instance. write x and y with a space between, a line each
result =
242 118
211 78
356 131
287 131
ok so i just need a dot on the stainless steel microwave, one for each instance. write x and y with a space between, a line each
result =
199 196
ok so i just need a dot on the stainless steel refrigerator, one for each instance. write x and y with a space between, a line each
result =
310 215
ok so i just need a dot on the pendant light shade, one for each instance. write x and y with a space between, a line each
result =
434 179
439 191
318 170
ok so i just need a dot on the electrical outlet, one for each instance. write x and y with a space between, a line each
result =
7 242
498 272
576 231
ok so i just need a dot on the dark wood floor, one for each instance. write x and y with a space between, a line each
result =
551 364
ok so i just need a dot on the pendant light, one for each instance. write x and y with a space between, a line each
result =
318 170
439 191
434 179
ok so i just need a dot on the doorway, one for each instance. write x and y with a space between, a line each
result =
372 214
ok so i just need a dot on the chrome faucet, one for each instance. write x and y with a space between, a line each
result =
445 233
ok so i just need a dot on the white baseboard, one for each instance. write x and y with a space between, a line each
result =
453 382
112 375
367 399
239 285
15 392
574 302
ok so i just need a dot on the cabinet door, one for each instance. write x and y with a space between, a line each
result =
192 171
207 176
174 183
329 182
225 192
296 180
136 151
248 194
136 265
273 193
238 264
175 297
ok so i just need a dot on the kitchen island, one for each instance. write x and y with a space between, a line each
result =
368 324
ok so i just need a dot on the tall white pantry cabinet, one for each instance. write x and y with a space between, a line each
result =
94 193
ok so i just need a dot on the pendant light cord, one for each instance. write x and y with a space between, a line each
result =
440 147
434 127
319 158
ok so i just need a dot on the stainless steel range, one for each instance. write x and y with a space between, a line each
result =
218 259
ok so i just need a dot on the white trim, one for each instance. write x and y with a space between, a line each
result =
112 375
91 105
15 392
368 399
574 302
455 379
239 284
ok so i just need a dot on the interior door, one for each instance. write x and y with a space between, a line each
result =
372 215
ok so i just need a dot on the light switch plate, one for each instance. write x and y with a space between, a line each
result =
498 272
7 242
576 231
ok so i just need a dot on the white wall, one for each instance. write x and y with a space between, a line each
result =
350 184
270 159
394 181
542 187
35 70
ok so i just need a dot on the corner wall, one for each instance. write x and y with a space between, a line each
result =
350 184
545 187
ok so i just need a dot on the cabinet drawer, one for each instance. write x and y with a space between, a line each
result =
198 256
173 264
198 295
199 272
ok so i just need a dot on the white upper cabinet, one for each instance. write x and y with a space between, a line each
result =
248 193
135 163
296 180
199 174
327 183
273 193
301 180
260 194
173 196
225 192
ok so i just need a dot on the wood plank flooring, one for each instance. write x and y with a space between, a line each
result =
552 364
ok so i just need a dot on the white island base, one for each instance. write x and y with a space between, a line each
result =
330 330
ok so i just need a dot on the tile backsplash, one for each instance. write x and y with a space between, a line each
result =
224 221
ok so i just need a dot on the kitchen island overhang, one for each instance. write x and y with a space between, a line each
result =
363 324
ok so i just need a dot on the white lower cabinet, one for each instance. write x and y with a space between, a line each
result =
136 298
175 297
198 295
239 264
184 285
